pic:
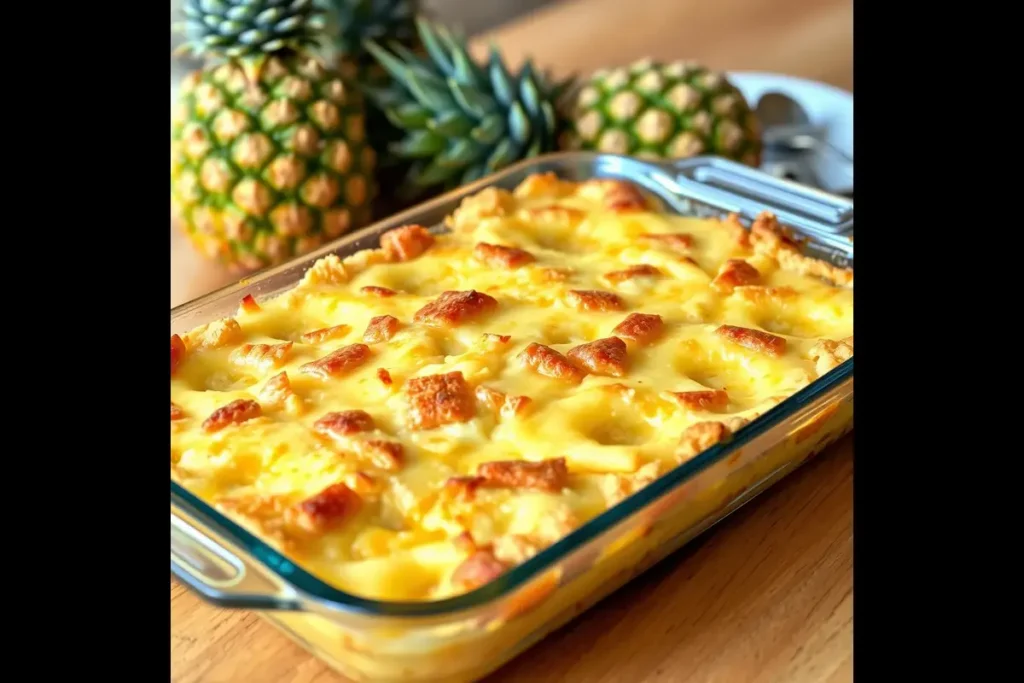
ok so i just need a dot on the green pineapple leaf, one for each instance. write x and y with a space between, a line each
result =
519 124
434 48
450 125
502 155
411 59
489 130
399 70
501 81
450 37
431 92
409 115
473 102
434 173
420 144
459 154
457 119
225 30
467 73
529 95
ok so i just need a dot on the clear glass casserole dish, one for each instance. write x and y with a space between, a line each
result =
465 637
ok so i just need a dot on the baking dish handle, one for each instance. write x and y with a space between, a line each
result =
748 191
220 576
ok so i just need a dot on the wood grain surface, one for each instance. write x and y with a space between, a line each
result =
765 597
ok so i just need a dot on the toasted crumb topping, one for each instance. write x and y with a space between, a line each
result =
411 422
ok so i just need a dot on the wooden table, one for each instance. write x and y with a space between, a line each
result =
765 597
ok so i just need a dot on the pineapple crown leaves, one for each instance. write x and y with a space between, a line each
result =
237 29
462 120
350 23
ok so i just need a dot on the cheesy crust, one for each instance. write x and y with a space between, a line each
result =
410 422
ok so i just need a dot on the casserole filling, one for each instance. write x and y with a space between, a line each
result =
410 422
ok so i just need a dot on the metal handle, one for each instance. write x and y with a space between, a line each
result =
220 576
803 137
748 191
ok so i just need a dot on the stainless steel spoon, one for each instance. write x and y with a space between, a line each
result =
786 124
789 138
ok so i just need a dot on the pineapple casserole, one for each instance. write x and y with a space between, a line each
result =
412 421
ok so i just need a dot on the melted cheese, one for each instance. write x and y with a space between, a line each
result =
405 539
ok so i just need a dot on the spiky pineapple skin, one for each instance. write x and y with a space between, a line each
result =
381 133
659 110
349 23
266 169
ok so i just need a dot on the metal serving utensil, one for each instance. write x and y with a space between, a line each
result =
791 141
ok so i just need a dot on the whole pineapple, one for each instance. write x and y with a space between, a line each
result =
269 157
460 120
663 111
350 23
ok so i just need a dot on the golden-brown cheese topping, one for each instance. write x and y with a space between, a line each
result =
412 421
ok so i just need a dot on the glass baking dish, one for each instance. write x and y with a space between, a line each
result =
465 637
